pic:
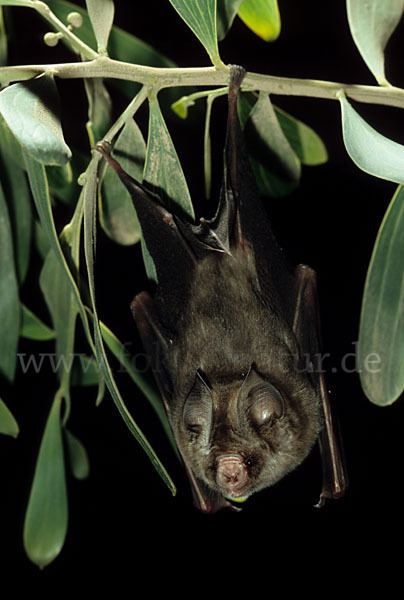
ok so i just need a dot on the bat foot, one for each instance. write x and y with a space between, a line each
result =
237 74
103 147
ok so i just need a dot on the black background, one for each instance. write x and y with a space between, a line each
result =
122 520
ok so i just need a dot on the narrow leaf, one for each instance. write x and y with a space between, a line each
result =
369 150
9 301
89 246
200 16
62 183
275 164
226 12
46 519
372 22
163 169
381 333
41 240
305 142
9 144
149 391
31 110
61 303
40 191
8 425
262 17
164 173
78 458
207 156
101 14
16 190
117 214
32 327
99 109
86 371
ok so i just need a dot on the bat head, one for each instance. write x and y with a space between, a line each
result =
240 436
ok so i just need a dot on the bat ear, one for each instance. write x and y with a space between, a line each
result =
198 410
259 399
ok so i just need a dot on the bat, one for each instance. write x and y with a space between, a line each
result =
233 334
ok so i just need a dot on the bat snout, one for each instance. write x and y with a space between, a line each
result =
232 475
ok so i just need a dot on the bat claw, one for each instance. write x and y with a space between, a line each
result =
237 74
103 147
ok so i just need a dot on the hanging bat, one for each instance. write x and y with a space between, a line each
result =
233 335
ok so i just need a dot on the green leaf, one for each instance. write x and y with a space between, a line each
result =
16 190
181 105
40 191
207 147
86 371
381 332
90 189
305 142
32 327
163 169
101 14
63 308
275 165
372 22
46 518
31 110
78 457
41 240
61 182
226 12
262 17
200 16
149 391
117 214
164 173
99 109
9 301
369 150
9 144
8 425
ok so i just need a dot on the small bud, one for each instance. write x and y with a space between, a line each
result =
51 39
75 19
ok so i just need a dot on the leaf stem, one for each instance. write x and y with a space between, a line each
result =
159 78
127 114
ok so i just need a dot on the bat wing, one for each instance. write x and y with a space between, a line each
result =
306 326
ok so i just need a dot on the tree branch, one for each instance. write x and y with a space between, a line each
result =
160 78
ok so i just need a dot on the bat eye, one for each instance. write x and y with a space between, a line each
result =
197 411
265 404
